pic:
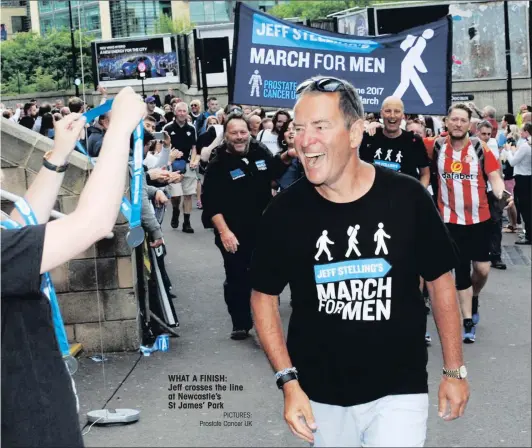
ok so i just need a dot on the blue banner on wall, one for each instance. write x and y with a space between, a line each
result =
272 56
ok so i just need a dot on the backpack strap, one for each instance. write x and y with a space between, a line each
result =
480 148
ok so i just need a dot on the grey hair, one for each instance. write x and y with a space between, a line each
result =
490 111
484 124
350 102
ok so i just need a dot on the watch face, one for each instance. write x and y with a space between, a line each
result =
463 372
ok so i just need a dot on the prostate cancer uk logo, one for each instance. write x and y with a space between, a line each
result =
356 289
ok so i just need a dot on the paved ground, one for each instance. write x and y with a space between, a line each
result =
499 413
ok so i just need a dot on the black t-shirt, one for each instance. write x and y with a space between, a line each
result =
183 138
38 404
404 154
357 328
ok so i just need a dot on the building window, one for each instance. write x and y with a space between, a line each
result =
136 18
17 24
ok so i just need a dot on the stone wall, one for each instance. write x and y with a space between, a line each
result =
97 287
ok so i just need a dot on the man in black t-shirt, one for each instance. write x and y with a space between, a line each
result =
354 242
393 148
183 136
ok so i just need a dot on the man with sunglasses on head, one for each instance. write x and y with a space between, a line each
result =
236 190
390 146
355 239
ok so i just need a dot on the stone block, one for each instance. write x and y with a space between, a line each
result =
80 307
106 247
17 142
89 253
82 274
75 179
40 147
14 180
69 204
125 272
6 164
116 336
60 278
121 247
71 334
119 304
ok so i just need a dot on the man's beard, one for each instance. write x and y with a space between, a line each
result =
459 137
232 150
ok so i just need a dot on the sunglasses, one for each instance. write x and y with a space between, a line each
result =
327 85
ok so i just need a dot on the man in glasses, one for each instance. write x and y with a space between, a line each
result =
393 148
353 244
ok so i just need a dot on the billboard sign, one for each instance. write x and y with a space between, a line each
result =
119 62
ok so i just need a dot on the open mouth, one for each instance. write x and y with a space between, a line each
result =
314 158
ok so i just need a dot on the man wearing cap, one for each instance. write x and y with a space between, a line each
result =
150 102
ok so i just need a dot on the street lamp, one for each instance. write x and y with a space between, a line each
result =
74 68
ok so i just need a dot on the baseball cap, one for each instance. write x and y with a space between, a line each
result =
150 99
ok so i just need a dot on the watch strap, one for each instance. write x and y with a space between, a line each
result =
452 373
52 167
285 378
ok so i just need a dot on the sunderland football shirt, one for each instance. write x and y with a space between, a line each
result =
462 194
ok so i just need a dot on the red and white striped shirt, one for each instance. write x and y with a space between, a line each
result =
462 197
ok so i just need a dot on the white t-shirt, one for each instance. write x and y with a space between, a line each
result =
269 139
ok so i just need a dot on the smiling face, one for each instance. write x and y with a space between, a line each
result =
237 136
289 135
392 113
323 143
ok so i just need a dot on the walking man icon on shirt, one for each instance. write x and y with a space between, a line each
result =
379 238
321 245
255 81
352 232
389 155
412 63
399 157
378 154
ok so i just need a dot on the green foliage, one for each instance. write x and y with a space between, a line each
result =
314 9
42 63
165 25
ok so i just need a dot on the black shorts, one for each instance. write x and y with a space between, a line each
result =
472 241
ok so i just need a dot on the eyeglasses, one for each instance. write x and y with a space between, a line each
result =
327 85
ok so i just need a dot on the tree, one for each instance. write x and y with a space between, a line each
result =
180 25
315 9
42 63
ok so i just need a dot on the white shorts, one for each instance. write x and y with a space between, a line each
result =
394 421
187 186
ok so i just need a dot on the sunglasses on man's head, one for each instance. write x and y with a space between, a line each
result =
326 85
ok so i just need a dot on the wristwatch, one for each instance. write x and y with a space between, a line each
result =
458 374
284 376
51 166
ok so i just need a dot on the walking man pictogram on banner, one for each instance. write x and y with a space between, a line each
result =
413 63
255 81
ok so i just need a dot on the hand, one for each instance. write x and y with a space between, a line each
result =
193 165
67 132
158 174
127 111
157 243
175 178
229 241
298 412
372 128
19 106
292 153
167 141
453 397
174 154
160 198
